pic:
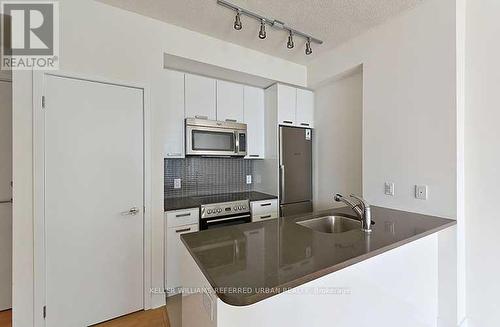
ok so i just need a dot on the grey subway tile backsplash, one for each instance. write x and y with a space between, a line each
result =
204 176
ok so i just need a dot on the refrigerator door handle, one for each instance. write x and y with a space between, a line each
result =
282 183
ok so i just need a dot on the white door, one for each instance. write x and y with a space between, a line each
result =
5 195
287 105
305 108
174 254
200 97
172 114
229 101
94 177
254 118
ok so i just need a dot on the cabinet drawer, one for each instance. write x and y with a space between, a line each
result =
262 208
266 216
182 217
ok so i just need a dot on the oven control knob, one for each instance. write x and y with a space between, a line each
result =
209 211
240 207
219 210
235 208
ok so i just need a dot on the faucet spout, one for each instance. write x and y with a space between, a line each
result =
362 210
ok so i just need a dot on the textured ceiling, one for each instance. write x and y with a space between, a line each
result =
333 21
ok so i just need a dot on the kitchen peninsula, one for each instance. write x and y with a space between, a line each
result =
280 273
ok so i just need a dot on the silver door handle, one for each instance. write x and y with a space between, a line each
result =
6 201
282 181
132 212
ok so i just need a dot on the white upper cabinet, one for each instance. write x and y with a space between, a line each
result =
287 105
305 108
172 115
229 101
254 118
200 97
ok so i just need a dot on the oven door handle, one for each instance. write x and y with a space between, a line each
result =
228 218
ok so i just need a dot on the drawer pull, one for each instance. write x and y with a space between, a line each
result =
231 120
254 156
265 217
183 215
183 230
304 124
265 204
174 154
287 122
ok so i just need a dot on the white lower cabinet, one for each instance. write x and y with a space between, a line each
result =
264 210
178 222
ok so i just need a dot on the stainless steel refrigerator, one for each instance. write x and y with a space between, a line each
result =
295 162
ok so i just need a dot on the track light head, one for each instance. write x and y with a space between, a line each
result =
262 32
290 43
237 21
309 50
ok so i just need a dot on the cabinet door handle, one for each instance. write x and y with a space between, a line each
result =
265 217
287 122
183 230
183 215
201 117
174 154
254 156
265 204
304 124
231 120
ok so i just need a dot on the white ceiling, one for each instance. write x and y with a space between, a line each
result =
333 21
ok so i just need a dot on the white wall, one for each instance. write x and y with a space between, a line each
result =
411 117
409 105
104 42
482 162
338 140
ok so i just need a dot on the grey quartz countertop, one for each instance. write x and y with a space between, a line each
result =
192 202
279 254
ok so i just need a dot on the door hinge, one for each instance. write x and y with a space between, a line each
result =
43 102
44 312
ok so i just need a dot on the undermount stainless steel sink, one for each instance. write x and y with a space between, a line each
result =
331 224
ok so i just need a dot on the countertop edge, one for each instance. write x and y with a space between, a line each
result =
252 299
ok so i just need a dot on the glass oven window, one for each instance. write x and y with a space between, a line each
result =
213 141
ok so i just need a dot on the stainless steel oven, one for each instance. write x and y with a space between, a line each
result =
217 215
215 138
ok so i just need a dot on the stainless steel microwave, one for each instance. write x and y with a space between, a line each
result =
215 138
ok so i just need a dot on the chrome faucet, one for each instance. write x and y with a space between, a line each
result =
362 210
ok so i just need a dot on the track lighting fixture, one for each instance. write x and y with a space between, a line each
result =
290 43
262 32
309 50
274 23
237 21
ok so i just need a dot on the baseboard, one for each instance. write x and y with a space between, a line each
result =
465 323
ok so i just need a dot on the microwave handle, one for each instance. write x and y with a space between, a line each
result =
237 141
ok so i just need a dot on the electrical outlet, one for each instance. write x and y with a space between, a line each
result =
389 188
249 179
177 183
421 192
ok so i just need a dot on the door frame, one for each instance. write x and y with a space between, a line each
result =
6 77
39 287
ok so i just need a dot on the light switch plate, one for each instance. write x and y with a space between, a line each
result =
249 179
389 188
421 192
177 183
